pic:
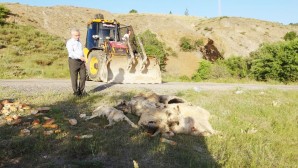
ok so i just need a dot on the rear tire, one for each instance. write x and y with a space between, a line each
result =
96 62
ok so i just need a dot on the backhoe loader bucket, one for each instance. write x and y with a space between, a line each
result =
120 70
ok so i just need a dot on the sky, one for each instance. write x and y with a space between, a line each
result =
282 11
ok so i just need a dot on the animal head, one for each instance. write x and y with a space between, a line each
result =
124 106
173 113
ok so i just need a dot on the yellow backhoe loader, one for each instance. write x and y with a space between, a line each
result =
114 54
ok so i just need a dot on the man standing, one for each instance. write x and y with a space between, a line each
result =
76 62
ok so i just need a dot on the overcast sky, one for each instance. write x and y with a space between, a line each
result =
283 11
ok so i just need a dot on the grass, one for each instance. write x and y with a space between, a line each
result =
171 78
29 53
254 133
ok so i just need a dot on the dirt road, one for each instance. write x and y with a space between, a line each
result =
57 85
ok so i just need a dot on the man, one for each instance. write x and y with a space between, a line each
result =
76 62
126 36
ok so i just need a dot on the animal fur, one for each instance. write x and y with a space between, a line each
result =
112 114
192 120
161 114
159 118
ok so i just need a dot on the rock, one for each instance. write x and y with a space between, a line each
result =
83 115
35 122
50 132
197 89
83 136
34 111
25 107
73 121
5 102
15 122
2 122
239 92
8 119
49 121
53 126
25 132
43 109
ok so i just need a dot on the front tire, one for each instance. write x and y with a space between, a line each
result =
96 66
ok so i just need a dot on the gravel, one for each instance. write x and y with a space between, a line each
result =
64 85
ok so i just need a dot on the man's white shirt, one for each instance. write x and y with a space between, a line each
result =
74 48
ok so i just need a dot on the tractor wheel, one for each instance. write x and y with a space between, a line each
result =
96 66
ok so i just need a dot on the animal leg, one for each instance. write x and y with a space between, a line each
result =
111 122
131 123
155 133
90 117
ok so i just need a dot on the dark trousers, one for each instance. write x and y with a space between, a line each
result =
76 68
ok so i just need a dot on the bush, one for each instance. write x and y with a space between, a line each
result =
290 36
153 47
203 71
198 43
186 44
219 70
133 11
3 14
237 66
278 61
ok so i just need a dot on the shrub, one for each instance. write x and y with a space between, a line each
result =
186 44
184 78
219 70
237 66
3 14
203 71
198 43
290 36
278 61
133 11
153 47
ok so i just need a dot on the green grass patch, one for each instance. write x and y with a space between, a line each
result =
258 129
29 53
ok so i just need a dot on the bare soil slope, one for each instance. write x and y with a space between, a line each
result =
232 35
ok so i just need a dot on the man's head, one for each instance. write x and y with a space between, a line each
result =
75 34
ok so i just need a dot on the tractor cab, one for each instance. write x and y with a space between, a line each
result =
100 31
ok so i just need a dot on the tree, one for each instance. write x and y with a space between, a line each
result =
170 12
133 11
186 12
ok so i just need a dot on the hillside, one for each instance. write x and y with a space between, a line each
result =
232 35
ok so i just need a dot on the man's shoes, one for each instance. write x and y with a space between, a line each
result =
76 93
83 94
80 94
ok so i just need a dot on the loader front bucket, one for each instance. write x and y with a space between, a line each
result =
123 70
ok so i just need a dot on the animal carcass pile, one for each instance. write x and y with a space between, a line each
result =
159 114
